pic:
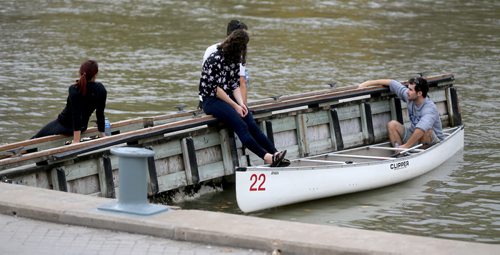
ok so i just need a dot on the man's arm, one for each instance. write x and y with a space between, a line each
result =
375 83
243 89
414 138
243 83
77 136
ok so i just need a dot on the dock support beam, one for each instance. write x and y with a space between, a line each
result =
106 177
302 140
59 180
367 123
396 111
190 162
153 175
335 122
453 107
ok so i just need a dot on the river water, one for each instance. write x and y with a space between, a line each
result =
150 57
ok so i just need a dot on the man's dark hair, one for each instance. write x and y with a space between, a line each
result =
420 85
234 25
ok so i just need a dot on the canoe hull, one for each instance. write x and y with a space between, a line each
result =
260 188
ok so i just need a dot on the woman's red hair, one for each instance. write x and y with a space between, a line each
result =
88 70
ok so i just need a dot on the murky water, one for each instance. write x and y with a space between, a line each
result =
150 56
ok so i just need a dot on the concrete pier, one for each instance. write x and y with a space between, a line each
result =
223 229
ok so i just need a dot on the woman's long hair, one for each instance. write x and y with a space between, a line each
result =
88 70
234 47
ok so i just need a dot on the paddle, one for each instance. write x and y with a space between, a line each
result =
406 150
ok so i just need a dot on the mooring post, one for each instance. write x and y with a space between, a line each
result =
132 195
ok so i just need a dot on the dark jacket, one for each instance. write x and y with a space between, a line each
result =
79 108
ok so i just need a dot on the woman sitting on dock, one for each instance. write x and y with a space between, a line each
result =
84 97
221 96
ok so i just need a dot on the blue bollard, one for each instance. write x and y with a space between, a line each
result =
133 189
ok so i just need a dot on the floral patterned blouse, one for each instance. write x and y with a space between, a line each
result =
217 72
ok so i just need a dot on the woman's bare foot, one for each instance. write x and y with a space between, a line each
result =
268 158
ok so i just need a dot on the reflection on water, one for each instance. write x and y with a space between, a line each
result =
150 56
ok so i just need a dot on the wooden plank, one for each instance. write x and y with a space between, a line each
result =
167 149
348 112
285 139
352 140
382 106
318 132
437 95
170 164
171 181
85 185
302 139
316 118
81 169
284 124
207 140
380 125
351 126
211 171
320 146
226 152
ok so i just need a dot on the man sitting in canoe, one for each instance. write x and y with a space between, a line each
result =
425 123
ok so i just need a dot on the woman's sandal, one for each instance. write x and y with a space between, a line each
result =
278 158
284 163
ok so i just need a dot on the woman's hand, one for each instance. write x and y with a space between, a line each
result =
240 101
245 110
241 110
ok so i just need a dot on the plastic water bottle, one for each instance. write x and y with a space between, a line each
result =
107 127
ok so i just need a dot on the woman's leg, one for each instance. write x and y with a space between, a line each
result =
258 135
225 113
53 128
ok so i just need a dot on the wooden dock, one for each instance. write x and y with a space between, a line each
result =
191 147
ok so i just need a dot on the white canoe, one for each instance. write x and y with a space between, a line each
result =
336 173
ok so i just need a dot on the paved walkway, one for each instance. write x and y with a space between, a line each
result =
25 236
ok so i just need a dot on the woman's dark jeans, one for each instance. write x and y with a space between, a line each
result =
55 128
246 128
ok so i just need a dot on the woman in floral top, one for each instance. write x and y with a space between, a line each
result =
221 96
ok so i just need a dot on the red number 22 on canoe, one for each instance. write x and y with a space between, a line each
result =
256 180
